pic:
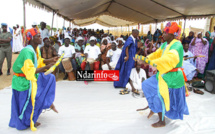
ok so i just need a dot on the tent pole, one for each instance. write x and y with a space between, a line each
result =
52 22
184 24
63 24
24 14
121 30
128 30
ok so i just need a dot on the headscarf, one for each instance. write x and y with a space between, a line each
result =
173 28
146 44
30 33
53 38
115 42
108 41
79 38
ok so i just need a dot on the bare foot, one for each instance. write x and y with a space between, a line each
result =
143 109
53 108
159 124
37 124
150 114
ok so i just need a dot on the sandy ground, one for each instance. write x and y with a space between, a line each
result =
97 108
6 81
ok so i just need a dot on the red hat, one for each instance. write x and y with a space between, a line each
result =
173 28
30 33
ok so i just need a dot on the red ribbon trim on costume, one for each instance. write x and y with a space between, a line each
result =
177 69
19 75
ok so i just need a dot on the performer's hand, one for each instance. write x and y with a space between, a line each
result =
55 59
50 65
126 59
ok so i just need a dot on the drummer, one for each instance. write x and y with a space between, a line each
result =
69 51
92 52
112 57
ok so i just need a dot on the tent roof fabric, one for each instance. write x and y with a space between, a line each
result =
113 13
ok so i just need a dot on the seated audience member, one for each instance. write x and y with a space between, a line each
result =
188 38
137 76
120 42
106 45
54 43
93 52
47 51
97 44
69 51
112 57
79 48
158 43
148 50
189 63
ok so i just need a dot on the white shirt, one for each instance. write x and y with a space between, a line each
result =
134 76
114 55
92 51
69 51
133 38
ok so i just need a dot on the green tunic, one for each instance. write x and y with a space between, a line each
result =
174 79
21 83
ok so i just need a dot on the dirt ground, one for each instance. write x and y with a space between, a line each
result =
5 80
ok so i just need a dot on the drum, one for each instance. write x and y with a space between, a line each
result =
67 64
68 68
91 62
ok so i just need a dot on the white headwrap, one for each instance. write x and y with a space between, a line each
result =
79 38
115 43
92 38
199 33
68 38
105 38
123 41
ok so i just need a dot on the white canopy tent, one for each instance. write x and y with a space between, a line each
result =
112 13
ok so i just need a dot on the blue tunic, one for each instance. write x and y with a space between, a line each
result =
125 67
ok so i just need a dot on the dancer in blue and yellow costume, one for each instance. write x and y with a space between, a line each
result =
165 91
32 90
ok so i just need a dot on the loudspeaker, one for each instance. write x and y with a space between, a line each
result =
210 81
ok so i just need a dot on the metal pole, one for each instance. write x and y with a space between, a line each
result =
52 22
121 31
24 14
63 24
69 24
184 24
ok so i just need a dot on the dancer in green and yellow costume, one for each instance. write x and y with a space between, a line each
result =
32 90
165 91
